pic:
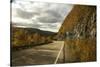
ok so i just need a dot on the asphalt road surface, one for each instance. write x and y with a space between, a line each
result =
38 55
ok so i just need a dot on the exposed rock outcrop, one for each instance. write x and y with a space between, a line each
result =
79 32
81 21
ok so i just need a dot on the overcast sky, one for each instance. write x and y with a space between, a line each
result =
41 15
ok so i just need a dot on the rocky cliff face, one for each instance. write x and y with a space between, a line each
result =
79 33
81 21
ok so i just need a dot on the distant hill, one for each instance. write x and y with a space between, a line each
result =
30 36
35 30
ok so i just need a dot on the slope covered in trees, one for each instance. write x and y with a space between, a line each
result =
22 37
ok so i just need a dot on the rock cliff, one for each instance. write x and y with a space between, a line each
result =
79 33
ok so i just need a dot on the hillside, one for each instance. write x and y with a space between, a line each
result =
81 20
30 37
79 33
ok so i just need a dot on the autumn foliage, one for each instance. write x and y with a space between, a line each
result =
23 37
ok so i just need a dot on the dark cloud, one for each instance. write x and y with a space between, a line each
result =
27 25
48 19
25 14
11 1
54 13
43 15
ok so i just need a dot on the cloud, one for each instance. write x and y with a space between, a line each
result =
54 13
48 19
26 25
42 15
25 14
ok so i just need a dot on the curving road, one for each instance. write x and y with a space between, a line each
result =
44 54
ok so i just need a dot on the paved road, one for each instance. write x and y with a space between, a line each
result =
44 54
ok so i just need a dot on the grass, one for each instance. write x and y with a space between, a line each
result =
80 50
